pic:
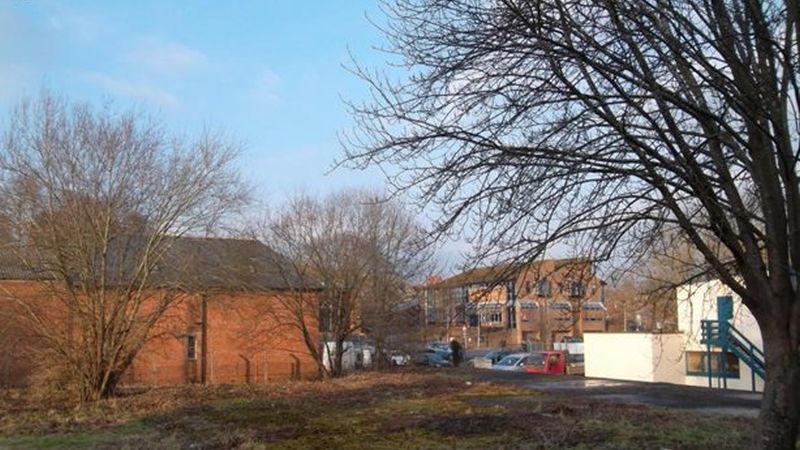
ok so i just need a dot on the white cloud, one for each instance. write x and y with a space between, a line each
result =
82 25
164 57
134 90
267 86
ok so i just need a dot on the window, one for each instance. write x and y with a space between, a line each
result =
492 317
528 288
594 306
561 306
543 288
696 364
191 347
576 289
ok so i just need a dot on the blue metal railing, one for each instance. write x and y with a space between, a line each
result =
724 335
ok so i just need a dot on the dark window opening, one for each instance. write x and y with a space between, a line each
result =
191 347
697 364
543 288
576 289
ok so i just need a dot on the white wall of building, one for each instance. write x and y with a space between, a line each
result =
352 352
634 356
662 357
698 301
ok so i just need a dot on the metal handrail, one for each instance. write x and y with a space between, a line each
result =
738 335
725 335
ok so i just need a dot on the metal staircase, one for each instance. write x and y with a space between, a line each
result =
729 339
720 333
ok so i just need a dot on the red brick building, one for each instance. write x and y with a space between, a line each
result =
228 324
501 306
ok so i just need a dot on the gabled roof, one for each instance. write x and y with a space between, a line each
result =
14 266
184 262
478 275
493 274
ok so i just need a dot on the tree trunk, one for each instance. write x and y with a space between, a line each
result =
378 361
337 363
780 406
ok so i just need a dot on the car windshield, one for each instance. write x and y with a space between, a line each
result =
577 358
508 361
537 359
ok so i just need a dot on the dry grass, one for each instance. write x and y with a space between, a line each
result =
373 410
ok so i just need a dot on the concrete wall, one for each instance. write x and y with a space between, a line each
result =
634 356
698 301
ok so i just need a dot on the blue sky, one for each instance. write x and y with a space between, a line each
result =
269 73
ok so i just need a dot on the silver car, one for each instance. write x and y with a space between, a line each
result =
515 362
488 360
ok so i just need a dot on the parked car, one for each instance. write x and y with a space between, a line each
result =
488 360
440 347
575 364
441 353
515 362
547 362
398 358
432 359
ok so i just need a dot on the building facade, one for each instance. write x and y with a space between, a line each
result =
538 303
685 357
229 322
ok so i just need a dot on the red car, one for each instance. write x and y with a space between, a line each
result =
547 362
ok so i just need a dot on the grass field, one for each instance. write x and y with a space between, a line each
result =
374 410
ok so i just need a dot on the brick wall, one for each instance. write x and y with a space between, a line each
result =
250 338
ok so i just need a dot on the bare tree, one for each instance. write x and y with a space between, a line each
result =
605 123
93 199
360 252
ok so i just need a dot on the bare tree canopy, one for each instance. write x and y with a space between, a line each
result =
361 252
609 123
78 187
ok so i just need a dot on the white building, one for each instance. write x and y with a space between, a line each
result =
678 358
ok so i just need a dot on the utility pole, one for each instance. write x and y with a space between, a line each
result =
624 316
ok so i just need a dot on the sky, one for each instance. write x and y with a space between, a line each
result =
268 73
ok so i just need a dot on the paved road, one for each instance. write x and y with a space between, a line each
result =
717 401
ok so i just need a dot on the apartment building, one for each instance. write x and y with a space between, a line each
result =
500 306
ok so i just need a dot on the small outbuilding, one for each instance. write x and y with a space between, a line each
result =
718 345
